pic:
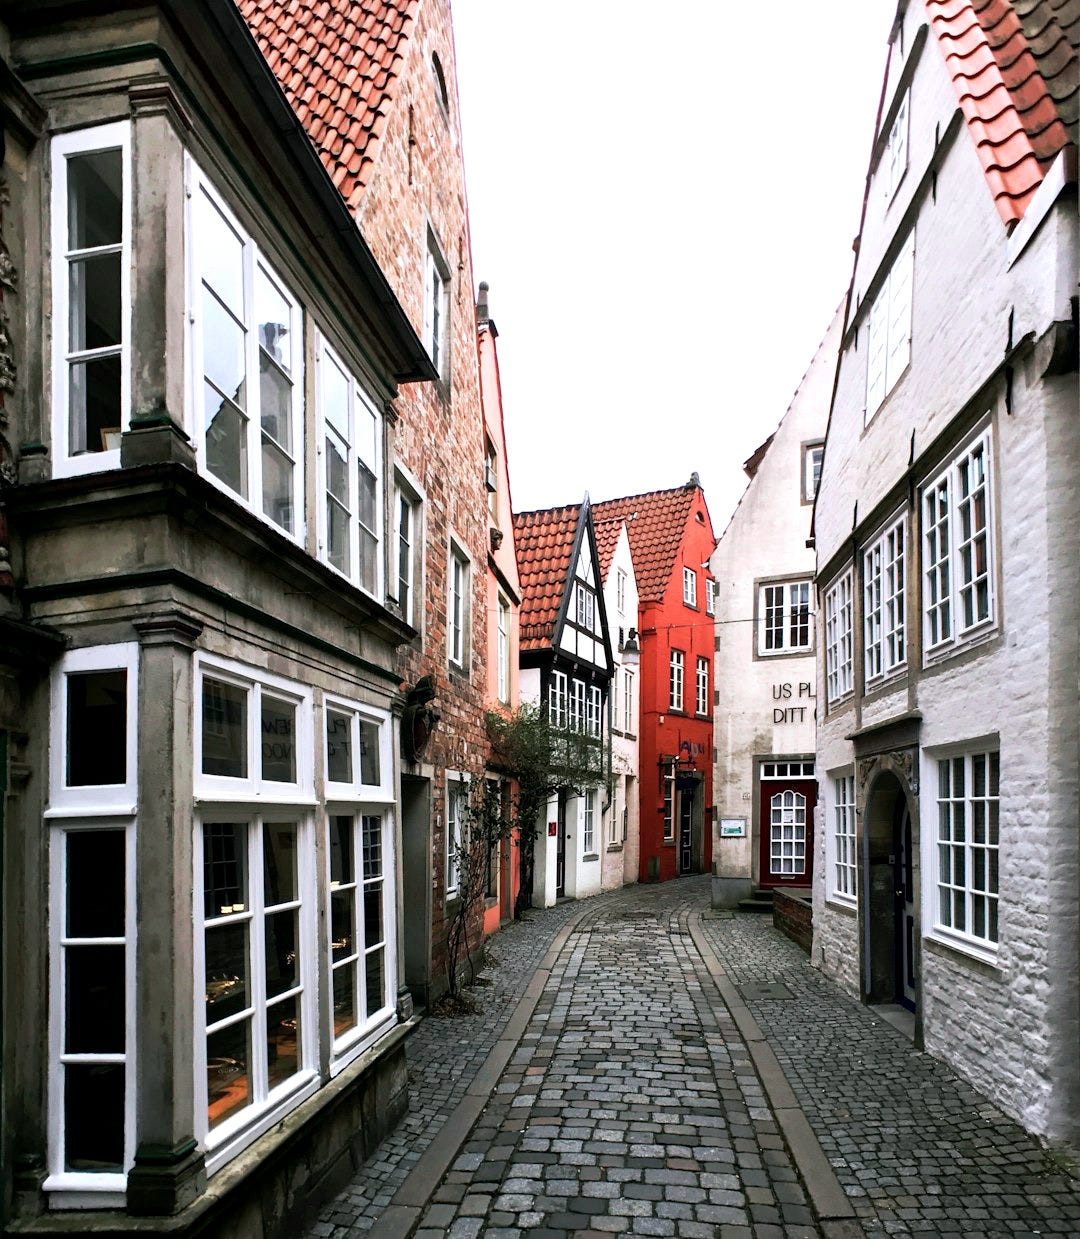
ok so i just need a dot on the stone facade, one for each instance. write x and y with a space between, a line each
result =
982 402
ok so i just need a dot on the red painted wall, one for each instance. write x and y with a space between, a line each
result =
664 626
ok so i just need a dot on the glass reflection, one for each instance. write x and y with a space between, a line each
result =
283 1056
228 1082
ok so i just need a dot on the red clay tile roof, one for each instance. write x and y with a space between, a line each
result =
337 62
607 539
544 541
655 522
1015 68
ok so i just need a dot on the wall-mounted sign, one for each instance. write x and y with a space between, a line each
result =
553 829
733 828
786 692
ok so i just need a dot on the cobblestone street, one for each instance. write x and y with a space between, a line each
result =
659 1069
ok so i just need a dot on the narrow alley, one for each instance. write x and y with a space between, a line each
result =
644 1065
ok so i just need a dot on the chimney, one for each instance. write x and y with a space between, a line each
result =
694 483
482 315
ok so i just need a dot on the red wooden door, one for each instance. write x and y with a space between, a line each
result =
787 824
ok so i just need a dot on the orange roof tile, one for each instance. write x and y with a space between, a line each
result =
544 542
337 62
607 539
655 523
1015 68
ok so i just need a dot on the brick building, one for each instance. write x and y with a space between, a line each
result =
671 540
947 561
387 123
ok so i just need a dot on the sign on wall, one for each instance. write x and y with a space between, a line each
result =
733 828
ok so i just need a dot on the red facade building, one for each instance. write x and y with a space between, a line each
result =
671 540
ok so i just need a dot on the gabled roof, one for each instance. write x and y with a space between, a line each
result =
338 62
1014 65
545 543
655 523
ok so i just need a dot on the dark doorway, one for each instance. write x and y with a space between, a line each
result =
887 894
905 910
686 828
560 849
416 885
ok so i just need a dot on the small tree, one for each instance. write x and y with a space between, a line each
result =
543 760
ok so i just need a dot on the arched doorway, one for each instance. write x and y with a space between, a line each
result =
889 883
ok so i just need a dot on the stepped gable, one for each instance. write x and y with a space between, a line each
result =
337 62
655 522
544 542
1015 68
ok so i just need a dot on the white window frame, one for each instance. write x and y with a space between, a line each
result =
458 605
895 159
794 595
558 699
702 686
407 500
594 712
586 607
354 1041
620 590
437 306
86 142
676 680
502 650
357 792
268 1106
842 861
113 799
947 581
628 701
888 349
710 596
813 455
253 789
77 1189
884 604
360 407
983 947
457 786
667 775
576 706
253 260
689 587
588 832
839 639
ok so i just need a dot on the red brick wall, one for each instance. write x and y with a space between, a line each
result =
794 918
418 180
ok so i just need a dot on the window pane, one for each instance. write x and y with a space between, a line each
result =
275 319
94 404
228 1087
224 868
337 535
224 343
373 914
376 981
94 306
342 923
339 747
278 740
95 884
95 198
275 403
369 550
227 990
369 753
341 858
222 257
277 471
279 863
281 964
226 441
372 828
94 1116
344 998
224 724
96 728
283 1041
94 999
335 397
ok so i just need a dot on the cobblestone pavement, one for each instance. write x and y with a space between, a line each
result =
631 1104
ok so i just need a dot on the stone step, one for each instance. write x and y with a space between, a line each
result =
757 903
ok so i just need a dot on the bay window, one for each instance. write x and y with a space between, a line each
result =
350 468
247 349
91 282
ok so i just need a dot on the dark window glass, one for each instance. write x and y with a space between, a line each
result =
369 753
341 857
224 723
376 979
228 1085
281 959
344 998
283 1057
95 884
96 728
94 1000
226 971
278 740
224 868
279 863
339 747
95 198
94 1116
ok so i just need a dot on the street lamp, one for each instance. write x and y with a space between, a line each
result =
631 651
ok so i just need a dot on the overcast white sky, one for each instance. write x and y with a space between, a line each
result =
663 199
